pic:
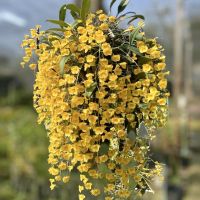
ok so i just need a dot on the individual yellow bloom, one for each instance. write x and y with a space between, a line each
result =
153 90
112 19
69 78
81 188
88 82
100 37
65 52
65 116
130 117
62 166
143 49
81 30
53 171
111 165
103 17
52 186
155 54
161 75
58 178
83 38
110 187
81 196
104 26
100 94
117 71
146 82
92 119
110 177
160 66
90 58
146 68
95 192
113 77
66 179
93 106
163 84
90 29
75 69
68 33
162 101
83 167
94 148
115 58
87 66
107 51
88 186
83 178
72 90
33 66
76 101
103 158
142 46
103 74
123 65
26 59
117 120
99 130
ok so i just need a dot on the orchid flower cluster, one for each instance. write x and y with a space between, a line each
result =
95 85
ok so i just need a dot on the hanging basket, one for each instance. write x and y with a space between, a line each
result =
96 84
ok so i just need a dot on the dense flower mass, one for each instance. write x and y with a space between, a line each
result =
95 85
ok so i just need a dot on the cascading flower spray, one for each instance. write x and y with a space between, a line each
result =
95 85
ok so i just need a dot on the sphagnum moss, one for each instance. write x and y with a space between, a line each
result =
95 84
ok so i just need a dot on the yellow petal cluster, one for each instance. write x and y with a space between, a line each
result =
94 105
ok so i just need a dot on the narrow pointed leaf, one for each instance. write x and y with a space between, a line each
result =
134 34
90 89
55 29
136 17
62 13
122 6
74 14
123 15
75 11
62 63
85 9
112 3
58 22
73 8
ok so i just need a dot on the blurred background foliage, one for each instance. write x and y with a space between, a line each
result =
24 144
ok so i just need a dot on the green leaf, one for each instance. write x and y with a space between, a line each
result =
123 15
62 13
75 11
136 17
85 8
103 168
134 34
74 14
73 8
58 22
122 6
133 49
90 89
55 29
62 63
112 3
